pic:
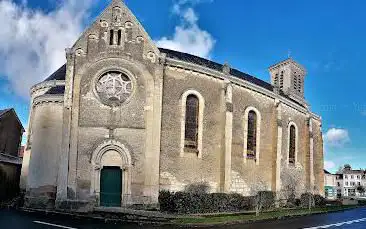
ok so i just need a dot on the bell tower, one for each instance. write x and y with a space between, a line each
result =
288 76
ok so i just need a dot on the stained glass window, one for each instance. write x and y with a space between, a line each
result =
252 135
191 122
292 145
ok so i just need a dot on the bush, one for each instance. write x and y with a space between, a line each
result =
191 203
197 188
319 200
166 201
268 199
306 199
333 202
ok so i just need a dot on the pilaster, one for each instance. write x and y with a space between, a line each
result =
311 144
153 122
62 178
228 135
279 145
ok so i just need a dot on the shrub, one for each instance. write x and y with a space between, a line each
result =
197 188
307 199
319 201
267 199
166 201
190 203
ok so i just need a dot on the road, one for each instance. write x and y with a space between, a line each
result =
354 219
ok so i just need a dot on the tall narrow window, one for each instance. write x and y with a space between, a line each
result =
281 80
191 123
252 135
292 145
119 37
111 37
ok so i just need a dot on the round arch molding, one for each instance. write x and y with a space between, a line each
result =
112 153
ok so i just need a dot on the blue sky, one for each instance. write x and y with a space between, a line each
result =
327 37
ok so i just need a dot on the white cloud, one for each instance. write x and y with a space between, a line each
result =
328 165
188 37
336 137
32 42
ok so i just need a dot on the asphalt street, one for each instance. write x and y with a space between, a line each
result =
9 219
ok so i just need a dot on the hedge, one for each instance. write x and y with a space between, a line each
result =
193 203
315 200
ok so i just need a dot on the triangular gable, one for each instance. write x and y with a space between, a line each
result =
116 17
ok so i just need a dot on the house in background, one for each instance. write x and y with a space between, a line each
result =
330 184
345 183
11 132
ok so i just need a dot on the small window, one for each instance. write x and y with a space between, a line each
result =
346 183
351 176
345 176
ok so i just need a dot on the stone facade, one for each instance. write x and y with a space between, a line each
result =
120 101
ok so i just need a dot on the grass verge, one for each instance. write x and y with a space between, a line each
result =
243 218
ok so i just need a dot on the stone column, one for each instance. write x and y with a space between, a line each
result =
228 135
279 145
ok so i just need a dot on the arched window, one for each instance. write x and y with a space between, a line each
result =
252 134
193 105
191 123
119 39
292 145
111 37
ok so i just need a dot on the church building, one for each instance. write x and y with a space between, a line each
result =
124 119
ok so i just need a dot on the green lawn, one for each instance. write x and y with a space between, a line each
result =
240 218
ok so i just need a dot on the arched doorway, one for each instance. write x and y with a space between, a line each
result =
111 174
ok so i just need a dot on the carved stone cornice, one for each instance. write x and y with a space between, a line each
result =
48 99
47 84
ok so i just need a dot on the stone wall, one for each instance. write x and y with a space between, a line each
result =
45 153
176 168
250 170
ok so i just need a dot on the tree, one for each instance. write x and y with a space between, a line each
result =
347 167
340 170
361 189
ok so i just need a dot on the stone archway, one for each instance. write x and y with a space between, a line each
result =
110 154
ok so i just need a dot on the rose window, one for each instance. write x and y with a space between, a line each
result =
114 88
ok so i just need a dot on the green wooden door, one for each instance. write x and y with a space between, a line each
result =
111 187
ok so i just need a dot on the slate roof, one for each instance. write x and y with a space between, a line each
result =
57 90
326 172
4 111
60 74
215 66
